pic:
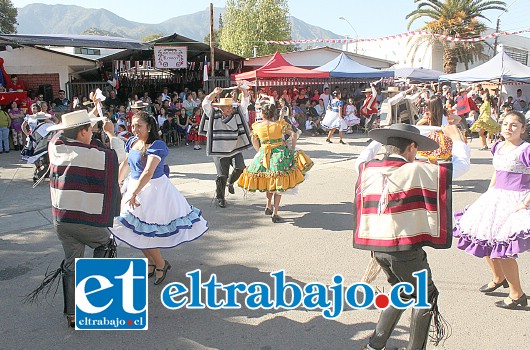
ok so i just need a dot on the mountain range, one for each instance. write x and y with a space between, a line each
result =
71 19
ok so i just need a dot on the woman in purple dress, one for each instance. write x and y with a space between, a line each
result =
497 226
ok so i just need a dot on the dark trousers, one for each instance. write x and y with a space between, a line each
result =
399 267
222 165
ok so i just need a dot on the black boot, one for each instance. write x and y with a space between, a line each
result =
69 297
220 184
386 324
107 250
233 178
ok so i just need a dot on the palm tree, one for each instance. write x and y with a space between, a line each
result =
457 18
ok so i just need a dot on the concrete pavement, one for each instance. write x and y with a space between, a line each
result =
312 244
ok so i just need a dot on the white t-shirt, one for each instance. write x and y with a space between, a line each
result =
326 99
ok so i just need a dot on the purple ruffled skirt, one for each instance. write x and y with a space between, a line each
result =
492 227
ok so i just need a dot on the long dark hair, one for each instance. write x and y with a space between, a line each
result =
436 109
152 126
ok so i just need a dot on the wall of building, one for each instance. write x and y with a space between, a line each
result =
33 81
48 67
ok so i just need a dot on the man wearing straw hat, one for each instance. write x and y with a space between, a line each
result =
227 135
85 196
400 206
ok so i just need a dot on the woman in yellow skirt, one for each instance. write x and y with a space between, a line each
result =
484 121
275 168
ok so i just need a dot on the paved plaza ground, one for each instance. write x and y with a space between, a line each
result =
312 244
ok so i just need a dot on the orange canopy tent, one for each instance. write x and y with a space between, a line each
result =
278 68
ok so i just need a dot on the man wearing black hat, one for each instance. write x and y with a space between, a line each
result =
400 206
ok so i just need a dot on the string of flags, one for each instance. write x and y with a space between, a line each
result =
397 36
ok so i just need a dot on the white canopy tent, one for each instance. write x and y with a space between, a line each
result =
500 69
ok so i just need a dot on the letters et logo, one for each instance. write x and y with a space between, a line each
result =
111 294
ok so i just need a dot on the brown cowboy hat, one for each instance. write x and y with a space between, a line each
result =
405 131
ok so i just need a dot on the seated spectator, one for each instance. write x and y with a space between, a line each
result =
169 130
62 104
312 128
183 124
112 99
16 84
193 134
123 133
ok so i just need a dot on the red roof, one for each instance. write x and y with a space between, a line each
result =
278 67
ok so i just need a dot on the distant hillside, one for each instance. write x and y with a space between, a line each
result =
71 19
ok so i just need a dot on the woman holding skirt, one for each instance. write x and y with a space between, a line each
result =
497 225
275 168
153 214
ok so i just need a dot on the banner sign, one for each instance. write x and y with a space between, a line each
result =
171 57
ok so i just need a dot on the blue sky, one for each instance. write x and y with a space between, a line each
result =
370 19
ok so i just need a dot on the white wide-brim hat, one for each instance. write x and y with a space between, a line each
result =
75 119
224 102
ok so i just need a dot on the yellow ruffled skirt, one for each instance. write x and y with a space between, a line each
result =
278 171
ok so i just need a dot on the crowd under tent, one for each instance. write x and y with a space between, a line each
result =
138 70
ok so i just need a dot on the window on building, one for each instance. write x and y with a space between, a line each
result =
86 51
517 54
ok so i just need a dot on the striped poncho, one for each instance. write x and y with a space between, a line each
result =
400 206
226 136
83 183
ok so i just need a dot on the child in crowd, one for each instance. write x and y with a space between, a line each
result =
193 134
123 133
350 115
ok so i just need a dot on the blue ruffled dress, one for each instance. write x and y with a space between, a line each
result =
164 219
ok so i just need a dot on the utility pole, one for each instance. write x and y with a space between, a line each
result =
212 53
496 37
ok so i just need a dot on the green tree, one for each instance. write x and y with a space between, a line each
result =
247 23
457 18
216 33
151 37
8 17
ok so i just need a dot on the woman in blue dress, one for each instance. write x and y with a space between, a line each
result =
154 214
334 119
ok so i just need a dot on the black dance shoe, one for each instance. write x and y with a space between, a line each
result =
152 273
268 211
276 219
520 303
487 289
231 189
166 267
221 202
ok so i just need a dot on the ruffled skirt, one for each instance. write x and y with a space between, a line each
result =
486 123
286 169
164 218
332 120
491 226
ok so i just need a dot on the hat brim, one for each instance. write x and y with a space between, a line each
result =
424 143
222 104
92 121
